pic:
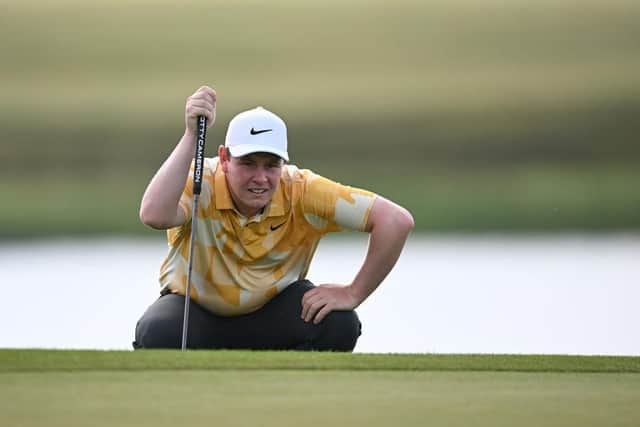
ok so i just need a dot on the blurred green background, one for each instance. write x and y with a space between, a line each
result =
477 116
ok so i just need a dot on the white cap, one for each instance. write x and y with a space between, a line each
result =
257 130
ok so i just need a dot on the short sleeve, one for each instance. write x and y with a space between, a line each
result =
330 206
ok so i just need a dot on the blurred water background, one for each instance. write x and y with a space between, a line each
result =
485 119
448 294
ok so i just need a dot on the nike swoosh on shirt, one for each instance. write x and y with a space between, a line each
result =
257 132
277 226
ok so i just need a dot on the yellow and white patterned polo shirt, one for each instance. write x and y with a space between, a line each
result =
240 263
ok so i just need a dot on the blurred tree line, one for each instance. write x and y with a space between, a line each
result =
475 116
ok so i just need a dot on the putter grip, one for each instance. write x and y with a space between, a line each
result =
199 156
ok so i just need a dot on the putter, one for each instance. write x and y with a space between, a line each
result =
197 186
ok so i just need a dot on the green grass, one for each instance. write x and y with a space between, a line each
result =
294 398
88 360
234 388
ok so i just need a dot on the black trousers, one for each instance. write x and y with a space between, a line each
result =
276 326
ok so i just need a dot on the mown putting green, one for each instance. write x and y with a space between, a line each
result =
169 388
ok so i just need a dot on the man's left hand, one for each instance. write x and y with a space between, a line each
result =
319 302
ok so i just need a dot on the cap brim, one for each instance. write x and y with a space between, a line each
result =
244 149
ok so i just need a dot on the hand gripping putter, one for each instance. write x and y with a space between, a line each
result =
197 186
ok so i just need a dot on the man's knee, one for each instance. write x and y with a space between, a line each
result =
340 331
153 331
161 325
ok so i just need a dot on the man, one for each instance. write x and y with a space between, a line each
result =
259 222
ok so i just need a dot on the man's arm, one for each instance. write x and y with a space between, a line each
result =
389 226
160 204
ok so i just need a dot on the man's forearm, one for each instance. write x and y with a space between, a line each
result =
159 207
387 238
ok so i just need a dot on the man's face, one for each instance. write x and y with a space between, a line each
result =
252 180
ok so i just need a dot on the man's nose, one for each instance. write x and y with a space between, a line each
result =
260 174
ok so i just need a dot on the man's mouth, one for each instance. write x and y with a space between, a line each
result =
258 190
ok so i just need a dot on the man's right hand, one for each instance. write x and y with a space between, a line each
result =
201 103
160 204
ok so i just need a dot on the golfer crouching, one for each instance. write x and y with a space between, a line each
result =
259 221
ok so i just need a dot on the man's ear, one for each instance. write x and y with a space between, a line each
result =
224 160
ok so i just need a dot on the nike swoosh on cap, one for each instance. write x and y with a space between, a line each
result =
256 132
